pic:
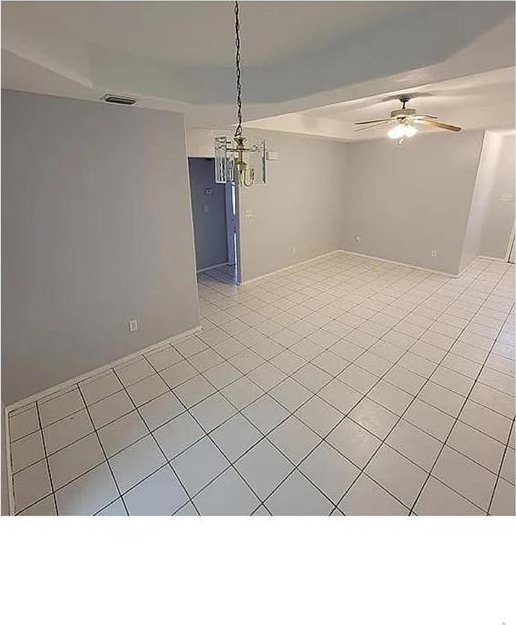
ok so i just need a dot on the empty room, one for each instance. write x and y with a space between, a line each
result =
258 259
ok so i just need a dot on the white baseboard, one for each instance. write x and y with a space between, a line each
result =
493 258
96 372
273 273
398 262
212 267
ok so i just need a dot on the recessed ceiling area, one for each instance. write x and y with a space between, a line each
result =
297 56
479 101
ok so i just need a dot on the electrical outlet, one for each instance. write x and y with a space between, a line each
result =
133 325
433 253
357 239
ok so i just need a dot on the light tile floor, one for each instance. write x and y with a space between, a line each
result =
342 386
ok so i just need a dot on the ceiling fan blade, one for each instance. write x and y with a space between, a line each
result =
373 121
424 117
380 123
437 124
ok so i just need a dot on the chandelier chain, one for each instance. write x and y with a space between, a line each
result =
238 130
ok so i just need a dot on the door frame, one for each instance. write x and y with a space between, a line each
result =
510 245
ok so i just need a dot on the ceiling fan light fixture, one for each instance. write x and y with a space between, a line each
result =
402 131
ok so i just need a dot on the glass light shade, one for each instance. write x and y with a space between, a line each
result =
400 131
240 163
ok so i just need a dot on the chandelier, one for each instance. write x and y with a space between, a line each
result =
236 160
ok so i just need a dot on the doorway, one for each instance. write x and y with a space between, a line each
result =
214 220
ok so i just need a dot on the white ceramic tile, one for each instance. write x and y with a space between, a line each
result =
493 399
100 387
27 451
23 423
508 466
246 360
266 376
415 444
164 358
205 360
465 476
74 460
121 433
263 468
319 415
136 462
199 465
486 420
178 373
54 409
242 392
235 437
373 363
340 396
265 413
330 362
329 471
45 507
311 377
291 394
191 346
294 439
367 498
160 410
110 408
358 378
159 494
298 496
67 431
187 510
147 389
31 485
503 499
134 372
213 411
452 380
441 398
390 397
288 362
404 379
401 477
437 499
88 494
429 419
374 417
227 495
178 434
478 446
352 440
116 508
222 375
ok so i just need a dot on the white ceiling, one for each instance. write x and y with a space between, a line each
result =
484 100
315 58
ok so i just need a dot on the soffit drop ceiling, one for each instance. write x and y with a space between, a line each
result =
297 55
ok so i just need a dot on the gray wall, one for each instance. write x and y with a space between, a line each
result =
96 230
297 215
499 214
209 214
404 201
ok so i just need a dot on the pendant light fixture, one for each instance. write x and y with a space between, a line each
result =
236 160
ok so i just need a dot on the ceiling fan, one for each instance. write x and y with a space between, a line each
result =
404 122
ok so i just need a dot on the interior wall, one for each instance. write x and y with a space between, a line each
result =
498 224
297 215
406 200
209 214
96 231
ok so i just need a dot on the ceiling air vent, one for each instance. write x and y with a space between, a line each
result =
119 99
